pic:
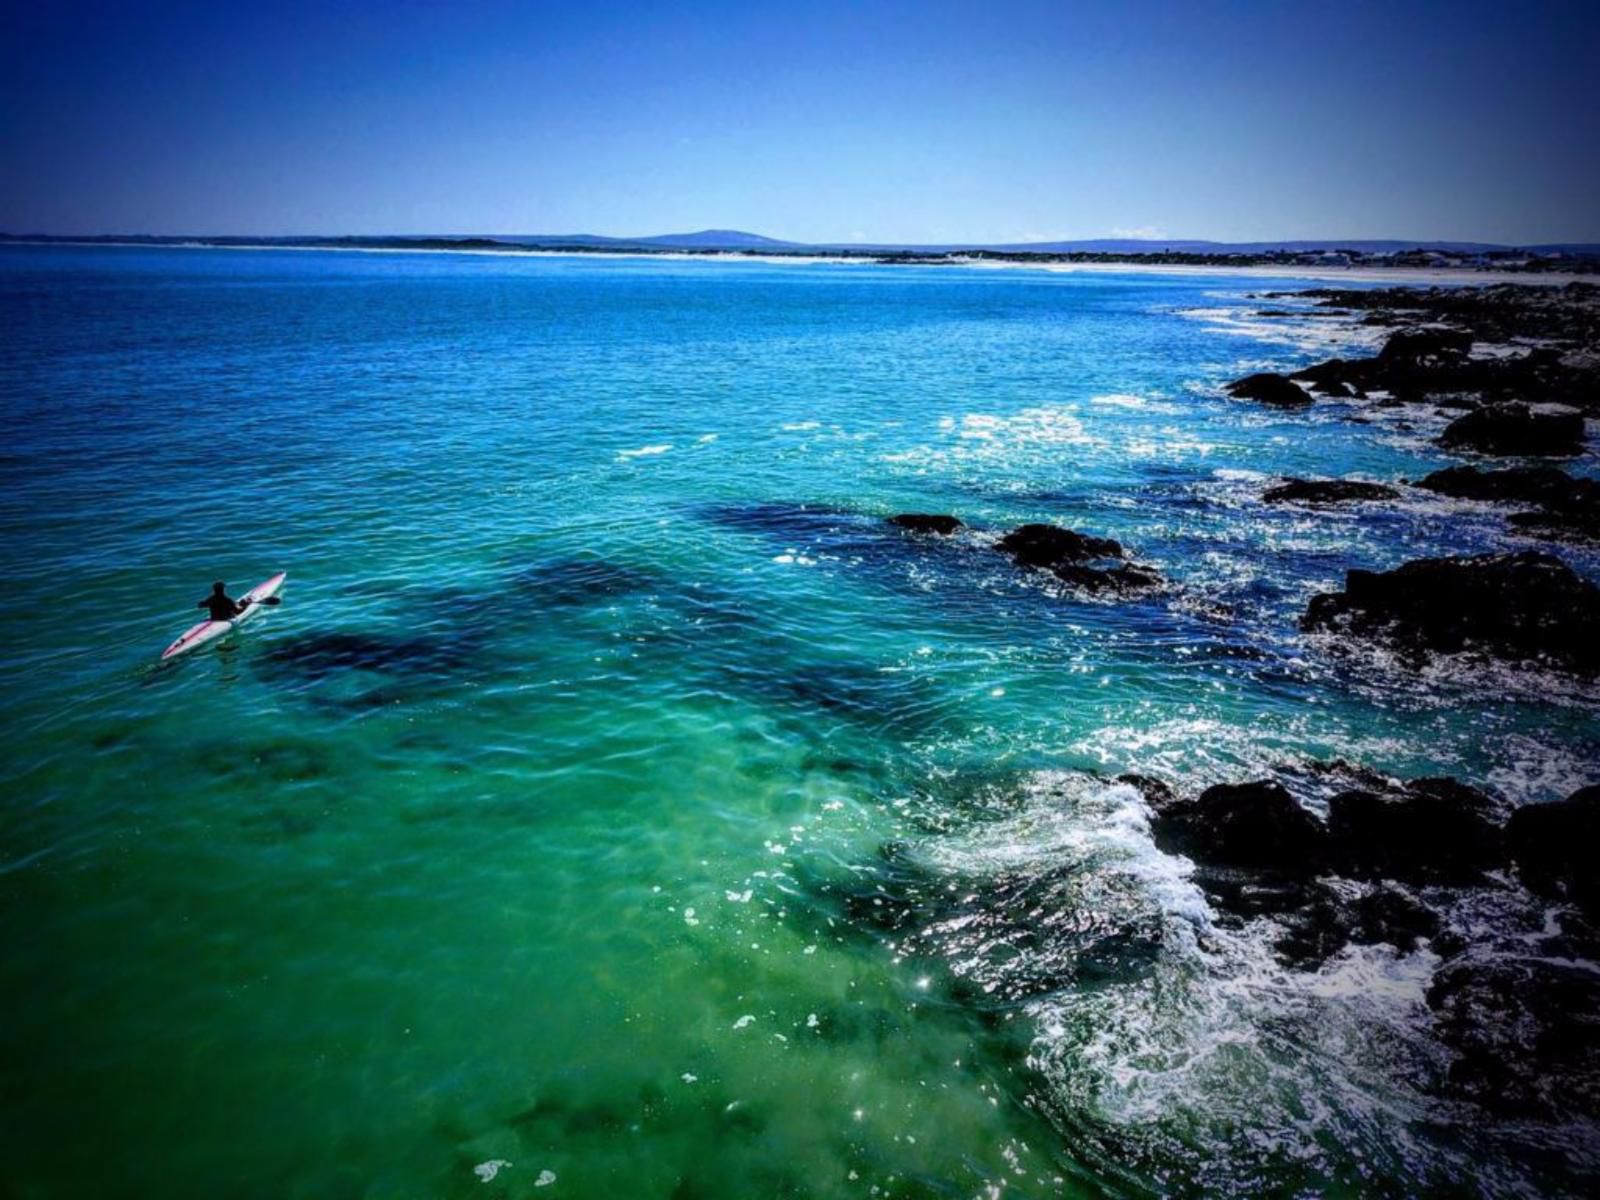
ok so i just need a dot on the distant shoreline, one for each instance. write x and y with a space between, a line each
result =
1286 265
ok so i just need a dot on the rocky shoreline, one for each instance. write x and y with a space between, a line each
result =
1516 372
1328 856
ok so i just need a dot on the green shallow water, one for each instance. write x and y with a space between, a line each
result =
556 816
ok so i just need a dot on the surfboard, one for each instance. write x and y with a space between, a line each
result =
209 631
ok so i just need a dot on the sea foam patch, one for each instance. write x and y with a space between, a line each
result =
646 451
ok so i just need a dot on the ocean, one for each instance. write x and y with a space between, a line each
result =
617 806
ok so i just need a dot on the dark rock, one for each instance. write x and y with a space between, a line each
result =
1425 347
1569 507
1328 491
1323 922
1579 524
1268 387
926 523
1244 825
1435 831
1050 546
1515 429
1555 847
1527 607
1157 793
1524 485
1387 915
1525 1033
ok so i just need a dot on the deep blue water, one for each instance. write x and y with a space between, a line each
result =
544 821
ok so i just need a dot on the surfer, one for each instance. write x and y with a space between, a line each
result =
222 606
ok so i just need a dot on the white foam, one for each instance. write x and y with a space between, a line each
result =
646 451
486 1171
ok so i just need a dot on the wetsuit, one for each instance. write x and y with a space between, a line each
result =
223 608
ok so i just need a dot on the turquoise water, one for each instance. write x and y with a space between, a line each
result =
615 796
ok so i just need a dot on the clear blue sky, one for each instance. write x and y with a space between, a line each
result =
816 121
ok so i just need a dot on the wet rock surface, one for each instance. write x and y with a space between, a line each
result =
1328 491
1520 485
1461 348
1078 560
1568 507
1556 848
1515 430
1429 831
1268 387
1521 608
1257 824
1524 1031
1515 996
1050 546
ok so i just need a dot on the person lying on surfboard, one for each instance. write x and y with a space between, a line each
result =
223 607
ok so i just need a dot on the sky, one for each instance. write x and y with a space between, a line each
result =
999 120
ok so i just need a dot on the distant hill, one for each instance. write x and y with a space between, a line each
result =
720 239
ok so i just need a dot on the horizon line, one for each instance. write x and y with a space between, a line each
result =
861 243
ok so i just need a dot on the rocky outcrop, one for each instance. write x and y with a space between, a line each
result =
1425 348
1554 847
1511 485
1078 560
1257 825
1523 1031
1569 508
1320 920
938 523
1268 387
1522 608
1327 491
1568 316
1431 831
1050 546
1514 429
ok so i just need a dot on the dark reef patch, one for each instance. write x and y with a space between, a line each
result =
319 655
938 523
1522 608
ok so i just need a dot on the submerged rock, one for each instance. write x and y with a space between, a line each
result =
1257 824
1328 491
1576 524
1555 846
1525 608
1514 429
1126 580
1268 387
939 523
